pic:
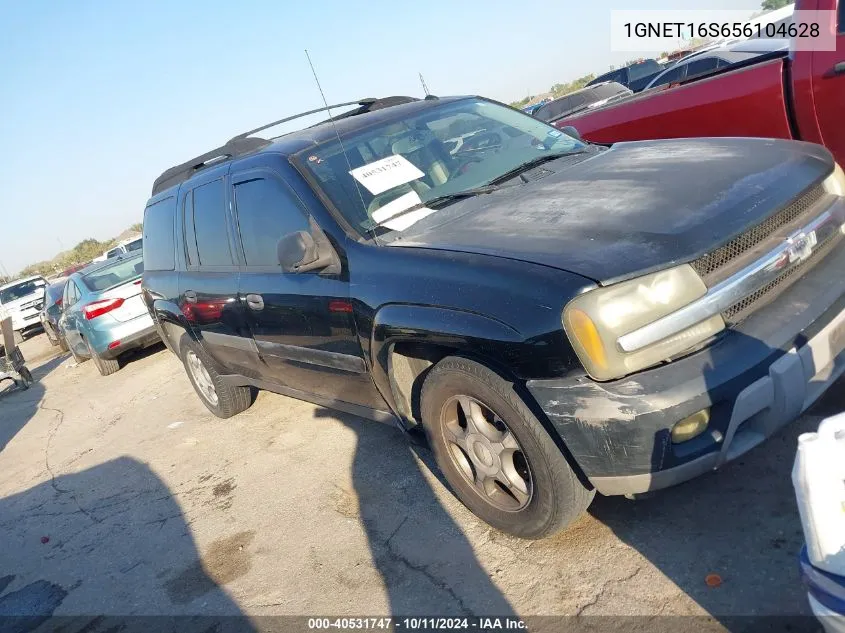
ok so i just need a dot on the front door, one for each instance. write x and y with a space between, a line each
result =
302 323
829 87
208 289
71 318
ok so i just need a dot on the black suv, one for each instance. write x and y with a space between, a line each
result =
559 317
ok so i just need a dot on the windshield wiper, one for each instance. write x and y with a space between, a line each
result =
534 162
440 201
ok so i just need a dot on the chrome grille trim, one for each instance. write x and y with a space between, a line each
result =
730 255
726 294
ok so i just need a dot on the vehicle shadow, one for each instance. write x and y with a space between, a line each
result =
426 562
115 553
739 522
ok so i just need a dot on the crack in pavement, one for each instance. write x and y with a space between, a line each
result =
394 554
604 588
52 432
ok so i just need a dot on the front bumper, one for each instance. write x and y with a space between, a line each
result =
22 322
755 380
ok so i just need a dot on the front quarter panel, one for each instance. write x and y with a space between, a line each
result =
503 311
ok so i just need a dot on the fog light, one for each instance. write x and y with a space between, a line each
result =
691 427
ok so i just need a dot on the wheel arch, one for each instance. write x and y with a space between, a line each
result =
407 341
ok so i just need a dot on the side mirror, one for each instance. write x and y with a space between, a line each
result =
571 131
303 252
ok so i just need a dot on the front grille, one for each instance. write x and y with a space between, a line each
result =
764 295
726 259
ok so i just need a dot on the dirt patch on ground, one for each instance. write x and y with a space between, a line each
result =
224 561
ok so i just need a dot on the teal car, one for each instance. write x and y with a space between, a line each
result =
103 314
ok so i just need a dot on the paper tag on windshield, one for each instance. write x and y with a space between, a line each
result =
386 173
382 216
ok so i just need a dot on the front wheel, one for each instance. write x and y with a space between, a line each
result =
495 454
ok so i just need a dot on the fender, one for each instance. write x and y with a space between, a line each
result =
447 327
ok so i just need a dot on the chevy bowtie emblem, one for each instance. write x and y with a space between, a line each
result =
797 248
800 246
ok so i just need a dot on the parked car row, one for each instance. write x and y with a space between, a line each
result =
95 313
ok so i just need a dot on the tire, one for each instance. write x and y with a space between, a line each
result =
62 343
549 496
106 366
226 400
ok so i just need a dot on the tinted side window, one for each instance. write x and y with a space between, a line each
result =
210 225
266 212
637 71
675 74
576 101
702 66
842 16
553 109
158 240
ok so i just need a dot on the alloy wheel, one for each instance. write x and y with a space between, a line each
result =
201 377
486 453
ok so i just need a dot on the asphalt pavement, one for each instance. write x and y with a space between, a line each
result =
123 496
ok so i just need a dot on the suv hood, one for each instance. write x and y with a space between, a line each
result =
634 208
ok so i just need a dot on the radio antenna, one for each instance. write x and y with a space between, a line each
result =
334 126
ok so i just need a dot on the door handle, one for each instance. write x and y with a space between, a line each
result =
839 69
190 296
255 302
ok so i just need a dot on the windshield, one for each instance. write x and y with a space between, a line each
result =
443 150
21 290
115 274
134 245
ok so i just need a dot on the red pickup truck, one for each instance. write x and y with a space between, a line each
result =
798 95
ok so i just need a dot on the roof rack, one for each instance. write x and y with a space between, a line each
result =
245 143
181 173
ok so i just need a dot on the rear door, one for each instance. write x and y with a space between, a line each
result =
208 289
829 88
302 323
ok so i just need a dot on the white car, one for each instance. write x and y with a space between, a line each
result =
22 300
126 246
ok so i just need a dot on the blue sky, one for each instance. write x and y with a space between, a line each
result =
101 97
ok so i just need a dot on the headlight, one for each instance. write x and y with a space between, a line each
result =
595 320
835 183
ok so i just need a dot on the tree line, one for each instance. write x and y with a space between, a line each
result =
82 253
558 90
